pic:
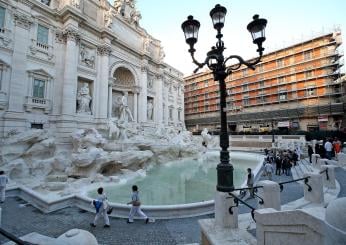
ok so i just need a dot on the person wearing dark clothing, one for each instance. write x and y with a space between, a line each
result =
278 166
310 152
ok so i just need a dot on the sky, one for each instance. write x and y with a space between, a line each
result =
289 22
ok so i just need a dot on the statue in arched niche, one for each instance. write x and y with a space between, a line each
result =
150 109
83 100
125 112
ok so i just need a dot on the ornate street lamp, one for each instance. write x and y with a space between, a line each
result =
217 63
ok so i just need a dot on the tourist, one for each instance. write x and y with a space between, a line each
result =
328 147
250 181
310 152
336 145
278 162
3 182
136 206
101 206
269 170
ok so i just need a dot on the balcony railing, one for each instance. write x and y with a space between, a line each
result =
40 103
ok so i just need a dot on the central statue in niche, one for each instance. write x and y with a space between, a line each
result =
125 112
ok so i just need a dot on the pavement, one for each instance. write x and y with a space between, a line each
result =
20 218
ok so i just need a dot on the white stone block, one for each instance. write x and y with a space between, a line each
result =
328 178
270 194
222 216
316 193
321 161
341 159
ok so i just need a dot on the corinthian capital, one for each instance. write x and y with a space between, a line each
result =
71 34
104 49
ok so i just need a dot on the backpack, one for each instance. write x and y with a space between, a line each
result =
97 205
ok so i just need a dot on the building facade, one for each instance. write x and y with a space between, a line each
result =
300 87
68 64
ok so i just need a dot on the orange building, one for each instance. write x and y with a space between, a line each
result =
297 88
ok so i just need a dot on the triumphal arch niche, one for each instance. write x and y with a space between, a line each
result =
123 95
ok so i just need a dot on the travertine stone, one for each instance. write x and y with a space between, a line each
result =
270 194
223 218
330 181
316 194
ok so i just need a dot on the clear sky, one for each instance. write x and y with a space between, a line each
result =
289 22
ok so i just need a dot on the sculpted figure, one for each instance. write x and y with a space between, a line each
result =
150 109
119 6
108 18
86 57
113 129
125 112
83 100
205 136
135 17
146 44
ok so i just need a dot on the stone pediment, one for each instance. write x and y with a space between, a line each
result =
40 72
3 63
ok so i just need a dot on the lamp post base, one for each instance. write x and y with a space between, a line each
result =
224 177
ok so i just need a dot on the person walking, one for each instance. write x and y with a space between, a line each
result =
3 182
269 170
328 147
278 162
136 206
310 152
101 206
250 181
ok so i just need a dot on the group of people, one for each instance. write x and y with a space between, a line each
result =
330 148
103 209
283 161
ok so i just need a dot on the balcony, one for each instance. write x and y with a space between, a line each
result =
41 50
37 103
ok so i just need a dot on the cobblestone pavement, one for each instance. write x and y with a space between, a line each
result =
20 218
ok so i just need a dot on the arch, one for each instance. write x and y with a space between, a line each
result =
124 65
124 76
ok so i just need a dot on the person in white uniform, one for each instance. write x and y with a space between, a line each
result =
101 206
136 206
3 182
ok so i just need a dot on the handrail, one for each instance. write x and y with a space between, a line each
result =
236 201
325 171
13 238
306 180
247 188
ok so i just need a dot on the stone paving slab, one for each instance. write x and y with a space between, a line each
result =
20 219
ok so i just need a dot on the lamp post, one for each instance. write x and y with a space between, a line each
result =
216 62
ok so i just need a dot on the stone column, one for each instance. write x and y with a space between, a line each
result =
103 52
330 181
166 110
69 92
158 100
135 107
270 194
109 113
320 162
316 193
223 218
143 96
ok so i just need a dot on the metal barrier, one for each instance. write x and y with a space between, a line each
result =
236 201
13 238
306 180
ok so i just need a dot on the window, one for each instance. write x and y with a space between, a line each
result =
246 100
245 87
261 84
2 19
282 95
279 63
206 83
310 92
281 79
262 99
42 35
46 2
206 107
39 88
260 67
229 92
171 114
308 74
179 115
244 72
206 96
37 125
307 55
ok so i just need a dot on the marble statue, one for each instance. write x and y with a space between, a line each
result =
125 112
162 54
113 130
85 56
135 17
206 136
119 6
150 109
83 100
75 3
108 18
146 44
131 3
